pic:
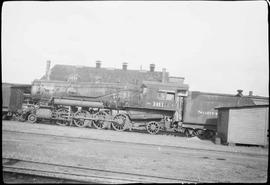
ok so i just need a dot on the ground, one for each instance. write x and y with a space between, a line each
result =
11 178
163 156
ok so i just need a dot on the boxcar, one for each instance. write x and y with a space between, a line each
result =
12 98
199 108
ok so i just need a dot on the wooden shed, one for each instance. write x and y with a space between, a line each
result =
243 125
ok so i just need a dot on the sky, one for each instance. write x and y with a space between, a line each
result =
216 46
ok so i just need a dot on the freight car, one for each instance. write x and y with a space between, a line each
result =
199 109
13 98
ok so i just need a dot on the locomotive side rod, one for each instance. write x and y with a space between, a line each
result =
86 118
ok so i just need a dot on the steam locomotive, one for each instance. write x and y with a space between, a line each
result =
153 105
151 100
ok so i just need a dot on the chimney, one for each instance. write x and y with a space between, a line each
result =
250 93
124 66
48 66
163 75
152 67
98 64
239 92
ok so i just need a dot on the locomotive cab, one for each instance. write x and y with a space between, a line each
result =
167 98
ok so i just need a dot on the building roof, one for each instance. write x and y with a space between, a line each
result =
92 74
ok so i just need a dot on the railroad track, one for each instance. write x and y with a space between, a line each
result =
83 174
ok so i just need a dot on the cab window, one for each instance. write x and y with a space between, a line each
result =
165 96
161 95
170 96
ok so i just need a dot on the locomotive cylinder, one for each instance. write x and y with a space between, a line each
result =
78 103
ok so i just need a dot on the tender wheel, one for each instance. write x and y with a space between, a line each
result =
152 127
99 124
82 122
187 133
209 134
62 113
32 118
120 124
201 133
194 132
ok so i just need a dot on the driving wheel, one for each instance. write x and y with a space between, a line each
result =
99 123
82 122
120 122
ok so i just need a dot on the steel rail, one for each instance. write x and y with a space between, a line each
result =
60 175
126 176
46 173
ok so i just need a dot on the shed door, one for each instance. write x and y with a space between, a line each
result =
247 126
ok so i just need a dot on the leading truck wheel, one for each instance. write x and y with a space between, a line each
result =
120 122
152 127
32 118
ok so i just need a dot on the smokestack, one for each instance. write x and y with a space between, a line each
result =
250 93
98 64
163 75
124 66
239 92
48 66
152 67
